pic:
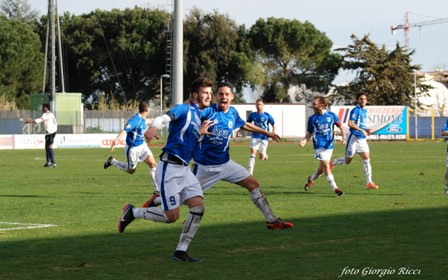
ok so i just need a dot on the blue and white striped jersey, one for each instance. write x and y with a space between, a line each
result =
263 121
321 128
214 148
135 128
184 131
359 116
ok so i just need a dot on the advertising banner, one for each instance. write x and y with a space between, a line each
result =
37 141
386 122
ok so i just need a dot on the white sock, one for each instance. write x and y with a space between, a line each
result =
190 228
152 173
315 176
367 170
339 161
330 179
154 214
120 165
251 164
262 204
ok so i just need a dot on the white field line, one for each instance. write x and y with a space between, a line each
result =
24 226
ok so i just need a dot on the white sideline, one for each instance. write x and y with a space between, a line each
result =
24 226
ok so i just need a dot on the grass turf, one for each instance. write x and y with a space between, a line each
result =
398 229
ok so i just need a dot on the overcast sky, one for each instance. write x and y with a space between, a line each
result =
338 19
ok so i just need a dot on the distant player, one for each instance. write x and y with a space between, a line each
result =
259 142
321 128
212 162
51 127
357 141
445 136
136 148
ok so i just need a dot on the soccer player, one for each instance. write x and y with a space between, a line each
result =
212 161
321 128
445 136
136 149
51 127
357 142
259 142
177 183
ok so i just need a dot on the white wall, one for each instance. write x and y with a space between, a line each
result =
290 119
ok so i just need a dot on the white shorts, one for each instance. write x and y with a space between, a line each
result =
356 146
260 145
177 184
136 154
210 175
323 154
446 160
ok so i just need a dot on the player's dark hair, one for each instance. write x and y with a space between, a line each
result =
46 105
200 82
259 100
143 106
226 84
360 93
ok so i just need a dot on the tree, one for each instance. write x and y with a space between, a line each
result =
292 53
21 61
388 77
120 54
19 10
216 47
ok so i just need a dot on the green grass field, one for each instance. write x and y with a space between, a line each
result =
400 228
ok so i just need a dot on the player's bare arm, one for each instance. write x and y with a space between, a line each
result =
151 133
343 135
116 140
352 125
307 138
253 128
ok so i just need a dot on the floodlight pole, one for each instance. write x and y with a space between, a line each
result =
178 41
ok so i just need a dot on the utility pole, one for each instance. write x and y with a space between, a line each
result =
178 41
52 16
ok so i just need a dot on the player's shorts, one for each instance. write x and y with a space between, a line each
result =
259 144
446 160
210 175
49 139
323 154
136 154
177 184
355 146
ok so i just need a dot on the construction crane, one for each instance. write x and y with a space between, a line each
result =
406 26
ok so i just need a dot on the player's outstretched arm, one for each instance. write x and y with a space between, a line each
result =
151 133
253 128
302 143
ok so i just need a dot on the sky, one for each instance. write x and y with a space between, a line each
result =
338 19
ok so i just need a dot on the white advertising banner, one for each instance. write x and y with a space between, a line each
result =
37 141
386 122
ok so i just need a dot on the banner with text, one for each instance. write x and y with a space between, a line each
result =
386 122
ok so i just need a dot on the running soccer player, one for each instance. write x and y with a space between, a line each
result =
177 183
212 161
136 149
259 142
357 141
321 128
445 136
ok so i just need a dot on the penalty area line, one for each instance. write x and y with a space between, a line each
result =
19 226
